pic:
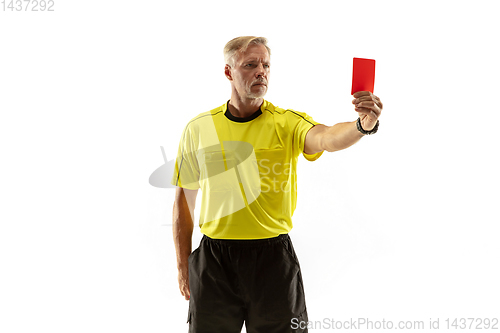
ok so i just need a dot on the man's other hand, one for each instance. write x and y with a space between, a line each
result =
183 279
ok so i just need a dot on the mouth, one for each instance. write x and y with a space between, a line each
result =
260 84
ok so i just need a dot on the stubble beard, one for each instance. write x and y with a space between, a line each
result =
252 95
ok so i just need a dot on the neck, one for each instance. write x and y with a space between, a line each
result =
243 107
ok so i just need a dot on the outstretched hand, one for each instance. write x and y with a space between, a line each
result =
369 108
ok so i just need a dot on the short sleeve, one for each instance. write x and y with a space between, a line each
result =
301 124
187 170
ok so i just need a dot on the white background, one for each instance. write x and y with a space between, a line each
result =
401 226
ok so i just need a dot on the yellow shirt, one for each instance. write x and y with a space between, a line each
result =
246 169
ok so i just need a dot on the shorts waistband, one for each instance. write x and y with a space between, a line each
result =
246 242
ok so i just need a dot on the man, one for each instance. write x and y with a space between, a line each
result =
243 155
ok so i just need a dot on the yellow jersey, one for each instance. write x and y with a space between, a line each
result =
246 169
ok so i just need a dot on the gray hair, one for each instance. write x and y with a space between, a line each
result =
240 44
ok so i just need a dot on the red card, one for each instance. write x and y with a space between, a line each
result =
363 75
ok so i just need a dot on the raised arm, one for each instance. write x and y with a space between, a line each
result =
344 135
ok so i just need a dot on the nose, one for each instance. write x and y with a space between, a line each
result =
260 70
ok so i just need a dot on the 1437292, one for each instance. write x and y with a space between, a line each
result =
28 5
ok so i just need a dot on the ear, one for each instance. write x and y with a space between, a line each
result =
227 72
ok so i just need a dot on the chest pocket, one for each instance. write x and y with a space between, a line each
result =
218 170
231 169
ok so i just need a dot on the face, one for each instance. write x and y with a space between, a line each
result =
250 74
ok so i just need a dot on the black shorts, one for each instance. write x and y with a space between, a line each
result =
253 281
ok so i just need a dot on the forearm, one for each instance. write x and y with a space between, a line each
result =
341 136
183 232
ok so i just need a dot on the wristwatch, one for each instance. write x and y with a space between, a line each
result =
373 131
